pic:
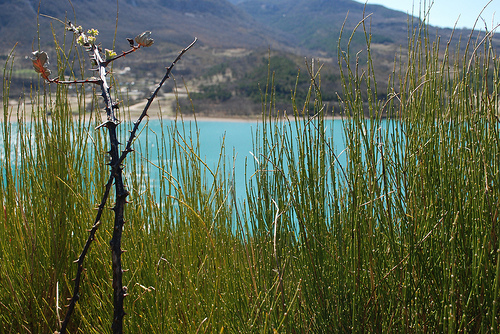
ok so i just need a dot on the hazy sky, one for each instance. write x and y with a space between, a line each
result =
444 13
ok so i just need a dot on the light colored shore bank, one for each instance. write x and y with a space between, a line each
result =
163 107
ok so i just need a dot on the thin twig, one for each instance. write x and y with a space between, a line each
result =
144 113
123 54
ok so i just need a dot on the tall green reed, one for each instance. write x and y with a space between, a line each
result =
395 232
49 165
404 236
423 188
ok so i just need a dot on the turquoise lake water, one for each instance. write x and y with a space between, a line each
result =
238 137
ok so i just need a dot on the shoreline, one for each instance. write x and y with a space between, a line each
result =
157 111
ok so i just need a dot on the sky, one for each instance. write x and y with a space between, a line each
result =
444 13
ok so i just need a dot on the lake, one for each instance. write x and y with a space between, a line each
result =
238 137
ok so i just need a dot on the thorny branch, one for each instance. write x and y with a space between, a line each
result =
40 64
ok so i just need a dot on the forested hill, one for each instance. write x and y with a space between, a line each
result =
297 24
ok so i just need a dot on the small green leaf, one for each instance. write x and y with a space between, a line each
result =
110 54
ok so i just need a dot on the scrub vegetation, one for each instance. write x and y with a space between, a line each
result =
396 231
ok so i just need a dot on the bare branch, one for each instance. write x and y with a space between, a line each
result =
119 291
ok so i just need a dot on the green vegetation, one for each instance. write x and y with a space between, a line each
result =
402 238
284 73
213 92
244 81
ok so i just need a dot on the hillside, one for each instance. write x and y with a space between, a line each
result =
316 24
217 23
235 38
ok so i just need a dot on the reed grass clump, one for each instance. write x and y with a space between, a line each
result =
395 229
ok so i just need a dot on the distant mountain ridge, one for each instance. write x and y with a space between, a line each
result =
316 24
307 24
217 23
